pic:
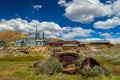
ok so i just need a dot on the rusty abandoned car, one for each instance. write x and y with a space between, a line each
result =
66 58
89 62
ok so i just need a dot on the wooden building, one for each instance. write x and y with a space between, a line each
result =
102 42
54 44
31 40
61 43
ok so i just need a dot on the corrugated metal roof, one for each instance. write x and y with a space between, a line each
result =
70 45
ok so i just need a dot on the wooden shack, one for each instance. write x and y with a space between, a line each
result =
102 42
54 44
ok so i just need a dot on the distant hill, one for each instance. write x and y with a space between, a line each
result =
11 36
57 39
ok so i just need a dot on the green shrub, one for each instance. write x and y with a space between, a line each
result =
107 71
91 72
86 71
95 71
51 66
78 63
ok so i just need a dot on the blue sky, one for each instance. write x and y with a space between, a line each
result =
66 19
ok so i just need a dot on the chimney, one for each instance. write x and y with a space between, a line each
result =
36 31
43 36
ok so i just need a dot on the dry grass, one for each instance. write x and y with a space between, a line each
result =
20 67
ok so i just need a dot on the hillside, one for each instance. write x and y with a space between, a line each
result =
10 36
57 39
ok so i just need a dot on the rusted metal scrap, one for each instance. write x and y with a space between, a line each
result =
89 62
24 51
66 58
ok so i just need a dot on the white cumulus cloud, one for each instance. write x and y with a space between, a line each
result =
115 40
84 11
76 32
115 8
110 23
106 35
37 7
